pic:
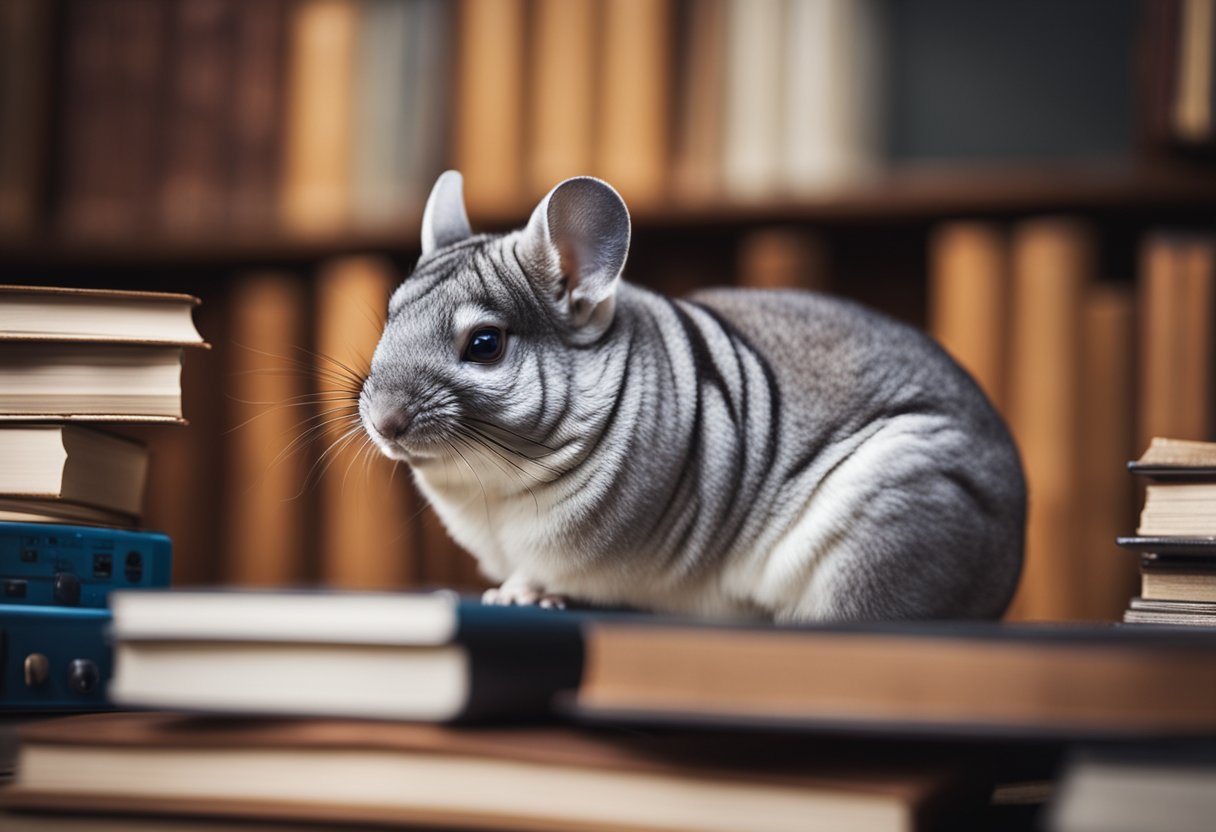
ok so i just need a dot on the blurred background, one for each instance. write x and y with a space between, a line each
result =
1033 182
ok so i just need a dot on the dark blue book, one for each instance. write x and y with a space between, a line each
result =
436 657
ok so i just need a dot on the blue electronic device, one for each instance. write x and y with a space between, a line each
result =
54 658
77 566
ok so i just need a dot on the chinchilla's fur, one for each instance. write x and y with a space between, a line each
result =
738 453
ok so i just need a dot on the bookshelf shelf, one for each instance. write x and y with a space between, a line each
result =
921 194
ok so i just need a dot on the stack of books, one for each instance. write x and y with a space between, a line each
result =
70 359
434 710
1176 538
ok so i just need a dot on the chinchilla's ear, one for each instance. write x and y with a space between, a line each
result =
577 241
444 221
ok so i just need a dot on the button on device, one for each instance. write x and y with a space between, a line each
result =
15 588
66 589
83 675
37 669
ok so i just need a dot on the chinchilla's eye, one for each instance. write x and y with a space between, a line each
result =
486 345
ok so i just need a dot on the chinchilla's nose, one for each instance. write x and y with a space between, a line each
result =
391 423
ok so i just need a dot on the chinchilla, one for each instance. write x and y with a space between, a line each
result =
745 453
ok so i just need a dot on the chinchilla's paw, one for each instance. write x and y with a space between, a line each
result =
522 595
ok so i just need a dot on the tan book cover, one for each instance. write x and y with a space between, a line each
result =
490 104
1099 577
507 779
562 87
1053 262
969 297
320 97
700 92
367 538
633 130
266 449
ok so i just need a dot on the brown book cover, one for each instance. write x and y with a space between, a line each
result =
1098 578
266 449
114 76
367 538
255 126
700 86
195 163
1053 262
561 115
25 88
490 104
633 148
979 680
315 192
969 301
509 779
1177 287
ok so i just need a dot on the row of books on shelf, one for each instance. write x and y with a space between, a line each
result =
657 718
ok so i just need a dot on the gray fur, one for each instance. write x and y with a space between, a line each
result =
739 453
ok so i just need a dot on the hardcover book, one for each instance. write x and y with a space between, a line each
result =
432 657
508 779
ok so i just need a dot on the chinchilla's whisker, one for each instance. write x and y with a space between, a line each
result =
485 499
483 437
516 434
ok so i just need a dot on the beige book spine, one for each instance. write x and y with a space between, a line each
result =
560 137
1101 577
632 152
490 104
1053 262
969 299
367 537
320 94
265 495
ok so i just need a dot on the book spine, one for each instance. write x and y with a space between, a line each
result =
367 512
563 85
193 178
1100 578
782 258
1053 262
697 144
381 142
25 45
320 84
265 496
114 79
432 74
968 301
490 103
752 135
257 116
633 130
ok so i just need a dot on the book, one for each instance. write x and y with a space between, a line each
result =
507 779
562 81
1179 509
1193 93
489 111
632 148
267 418
1169 787
1171 613
1178 579
315 196
25 81
752 120
73 464
90 382
194 166
968 291
1054 260
700 91
33 510
425 656
945 679
366 537
1168 458
49 313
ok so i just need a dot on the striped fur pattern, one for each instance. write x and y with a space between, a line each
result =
782 455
